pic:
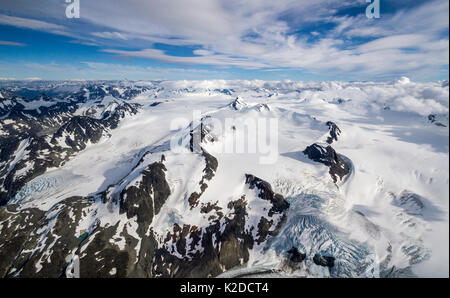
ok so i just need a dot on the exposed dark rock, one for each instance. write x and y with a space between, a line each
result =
200 134
208 174
211 165
317 153
325 261
237 104
14 233
225 91
206 208
264 227
83 129
221 251
279 204
334 132
51 240
101 257
146 199
263 107
329 157
295 255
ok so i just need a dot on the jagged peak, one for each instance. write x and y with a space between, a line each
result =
238 104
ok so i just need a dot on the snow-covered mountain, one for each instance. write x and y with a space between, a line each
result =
224 178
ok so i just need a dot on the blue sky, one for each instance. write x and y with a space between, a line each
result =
225 39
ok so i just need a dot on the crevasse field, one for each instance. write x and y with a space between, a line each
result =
389 216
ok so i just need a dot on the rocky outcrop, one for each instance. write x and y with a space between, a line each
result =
238 104
51 239
145 199
263 107
226 243
279 204
330 158
296 256
325 154
208 174
15 230
218 247
334 132
325 261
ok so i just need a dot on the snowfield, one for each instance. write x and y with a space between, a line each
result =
390 211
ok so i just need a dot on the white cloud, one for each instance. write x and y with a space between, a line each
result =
12 43
110 35
29 23
206 59
394 42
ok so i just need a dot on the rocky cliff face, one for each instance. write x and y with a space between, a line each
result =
325 154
